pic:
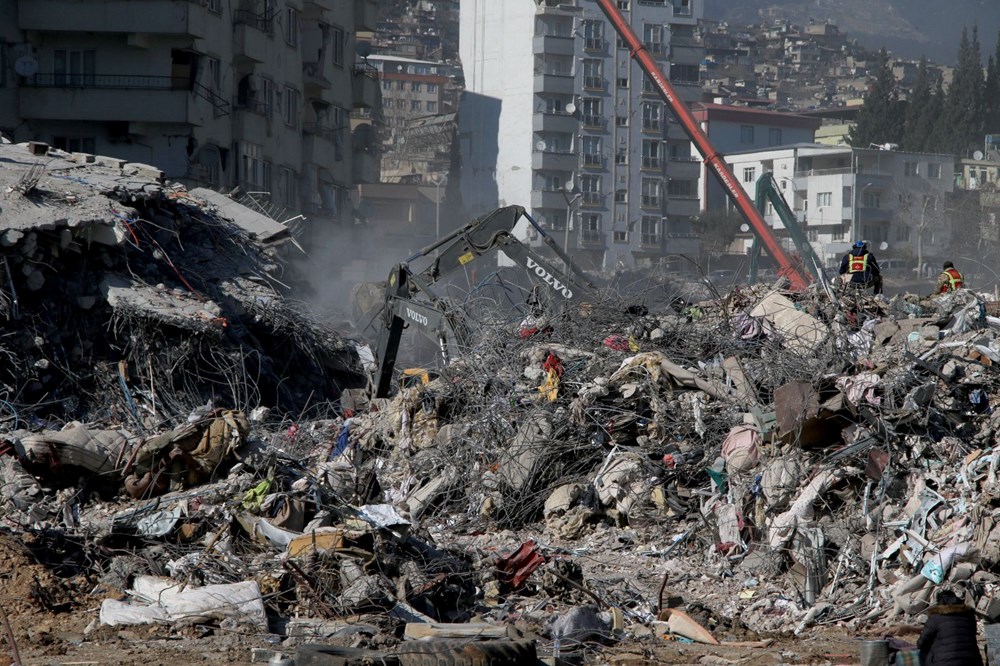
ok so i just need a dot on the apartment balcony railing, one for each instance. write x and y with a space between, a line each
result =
591 236
593 160
650 125
591 199
649 201
649 240
595 83
655 48
595 122
595 44
315 129
258 21
255 106
129 82
366 69
651 162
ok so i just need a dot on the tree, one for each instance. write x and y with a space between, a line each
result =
991 93
717 229
919 120
880 119
964 111
936 140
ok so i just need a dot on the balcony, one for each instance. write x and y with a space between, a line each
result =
554 45
595 83
651 125
194 18
365 16
107 97
557 84
685 55
594 160
650 201
595 122
656 49
313 79
591 199
591 237
252 36
553 199
253 118
554 122
652 163
551 160
687 168
364 85
682 207
365 168
595 45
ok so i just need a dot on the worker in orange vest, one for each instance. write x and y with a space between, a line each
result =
950 279
862 268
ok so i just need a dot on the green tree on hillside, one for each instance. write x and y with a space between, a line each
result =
881 118
991 94
919 118
964 111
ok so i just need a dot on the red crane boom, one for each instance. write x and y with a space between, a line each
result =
712 158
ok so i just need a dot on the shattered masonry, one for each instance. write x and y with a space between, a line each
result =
722 471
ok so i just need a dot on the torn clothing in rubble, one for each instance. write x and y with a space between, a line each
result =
949 637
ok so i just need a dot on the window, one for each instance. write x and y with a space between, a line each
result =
414 105
621 121
432 87
651 150
933 170
623 82
774 136
292 26
74 68
291 107
431 107
400 84
592 151
213 72
592 112
287 188
824 199
590 225
593 77
553 105
339 120
679 187
623 5
553 182
337 42
74 144
838 233
557 220
650 193
386 84
265 177
417 86
871 199
684 73
621 237
215 6
265 99
648 88
651 112
652 38
251 166
930 203
749 174
593 35
910 169
621 196
902 234
591 188
847 198
620 42
746 134
649 230
621 156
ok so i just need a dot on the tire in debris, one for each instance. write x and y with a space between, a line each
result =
434 653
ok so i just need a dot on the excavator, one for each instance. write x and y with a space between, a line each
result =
410 298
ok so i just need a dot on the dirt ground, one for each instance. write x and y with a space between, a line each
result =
54 622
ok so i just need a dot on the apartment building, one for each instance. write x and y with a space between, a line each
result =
897 201
558 118
250 93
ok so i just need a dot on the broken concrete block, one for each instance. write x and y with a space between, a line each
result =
802 331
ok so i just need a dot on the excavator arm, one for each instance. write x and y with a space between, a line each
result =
403 306
714 160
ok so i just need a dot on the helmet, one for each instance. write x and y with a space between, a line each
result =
860 245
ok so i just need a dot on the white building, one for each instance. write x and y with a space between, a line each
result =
558 118
251 93
897 201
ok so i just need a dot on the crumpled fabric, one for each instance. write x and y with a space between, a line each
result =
861 388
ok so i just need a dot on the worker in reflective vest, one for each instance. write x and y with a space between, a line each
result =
861 268
950 279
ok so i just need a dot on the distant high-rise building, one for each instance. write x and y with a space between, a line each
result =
558 118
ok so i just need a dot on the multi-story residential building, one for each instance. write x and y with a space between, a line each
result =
565 124
740 129
897 201
254 93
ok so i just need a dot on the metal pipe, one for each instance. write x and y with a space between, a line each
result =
712 158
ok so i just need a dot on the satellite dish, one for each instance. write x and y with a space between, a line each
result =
26 66
978 155
571 108
883 246
570 185
744 228
363 48
540 145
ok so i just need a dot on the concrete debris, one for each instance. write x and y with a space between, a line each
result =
768 463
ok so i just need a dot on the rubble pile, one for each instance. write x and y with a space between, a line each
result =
722 472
